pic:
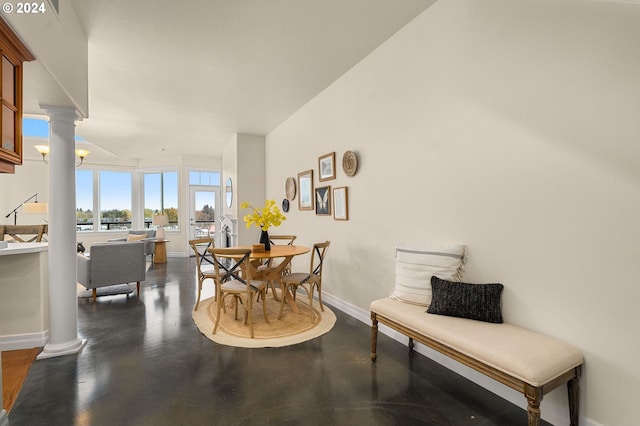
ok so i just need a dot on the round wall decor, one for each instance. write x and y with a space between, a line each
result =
290 188
349 163
285 205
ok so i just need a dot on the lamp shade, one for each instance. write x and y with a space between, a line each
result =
35 207
161 220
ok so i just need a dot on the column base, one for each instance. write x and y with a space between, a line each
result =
69 348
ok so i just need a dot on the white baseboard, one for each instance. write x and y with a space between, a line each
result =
177 254
24 341
552 411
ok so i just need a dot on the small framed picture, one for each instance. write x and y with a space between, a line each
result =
340 203
323 200
305 190
327 166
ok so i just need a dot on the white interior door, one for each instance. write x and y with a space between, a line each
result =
203 212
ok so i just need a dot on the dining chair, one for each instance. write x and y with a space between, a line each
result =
308 281
233 273
282 239
268 267
204 265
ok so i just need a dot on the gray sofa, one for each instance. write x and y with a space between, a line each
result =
112 263
149 237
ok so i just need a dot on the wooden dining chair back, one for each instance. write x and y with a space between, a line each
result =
309 281
204 265
269 265
282 239
24 233
234 275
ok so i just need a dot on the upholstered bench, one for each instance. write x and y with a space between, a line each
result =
528 362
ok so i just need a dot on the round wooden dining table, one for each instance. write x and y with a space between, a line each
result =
274 271
278 251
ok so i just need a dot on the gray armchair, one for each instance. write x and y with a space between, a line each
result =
149 237
112 263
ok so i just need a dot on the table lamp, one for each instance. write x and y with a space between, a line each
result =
160 221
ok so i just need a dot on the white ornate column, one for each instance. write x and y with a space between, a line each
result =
63 302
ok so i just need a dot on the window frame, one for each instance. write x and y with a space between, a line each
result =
97 198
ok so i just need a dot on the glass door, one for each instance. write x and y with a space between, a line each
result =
203 212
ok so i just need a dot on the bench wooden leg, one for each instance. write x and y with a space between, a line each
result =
374 336
534 397
533 414
573 388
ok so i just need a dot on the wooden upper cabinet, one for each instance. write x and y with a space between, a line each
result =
13 53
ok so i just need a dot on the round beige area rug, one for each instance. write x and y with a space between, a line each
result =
292 328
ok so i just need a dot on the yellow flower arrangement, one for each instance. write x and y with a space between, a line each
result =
264 219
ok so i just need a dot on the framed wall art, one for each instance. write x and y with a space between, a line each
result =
305 190
327 167
323 201
340 203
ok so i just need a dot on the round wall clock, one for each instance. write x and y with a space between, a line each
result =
290 188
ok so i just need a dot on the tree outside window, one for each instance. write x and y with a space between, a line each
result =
206 214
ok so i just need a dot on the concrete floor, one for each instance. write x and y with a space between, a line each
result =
146 363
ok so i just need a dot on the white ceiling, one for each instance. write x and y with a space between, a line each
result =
183 76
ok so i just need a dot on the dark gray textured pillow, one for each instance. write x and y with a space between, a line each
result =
473 301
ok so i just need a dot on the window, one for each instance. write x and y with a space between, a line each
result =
103 197
84 200
161 197
115 200
204 178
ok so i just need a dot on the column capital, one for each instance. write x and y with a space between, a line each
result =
61 113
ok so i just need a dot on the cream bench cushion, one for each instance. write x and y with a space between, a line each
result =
529 356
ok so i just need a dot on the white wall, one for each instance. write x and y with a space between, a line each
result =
244 163
30 178
59 43
511 127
